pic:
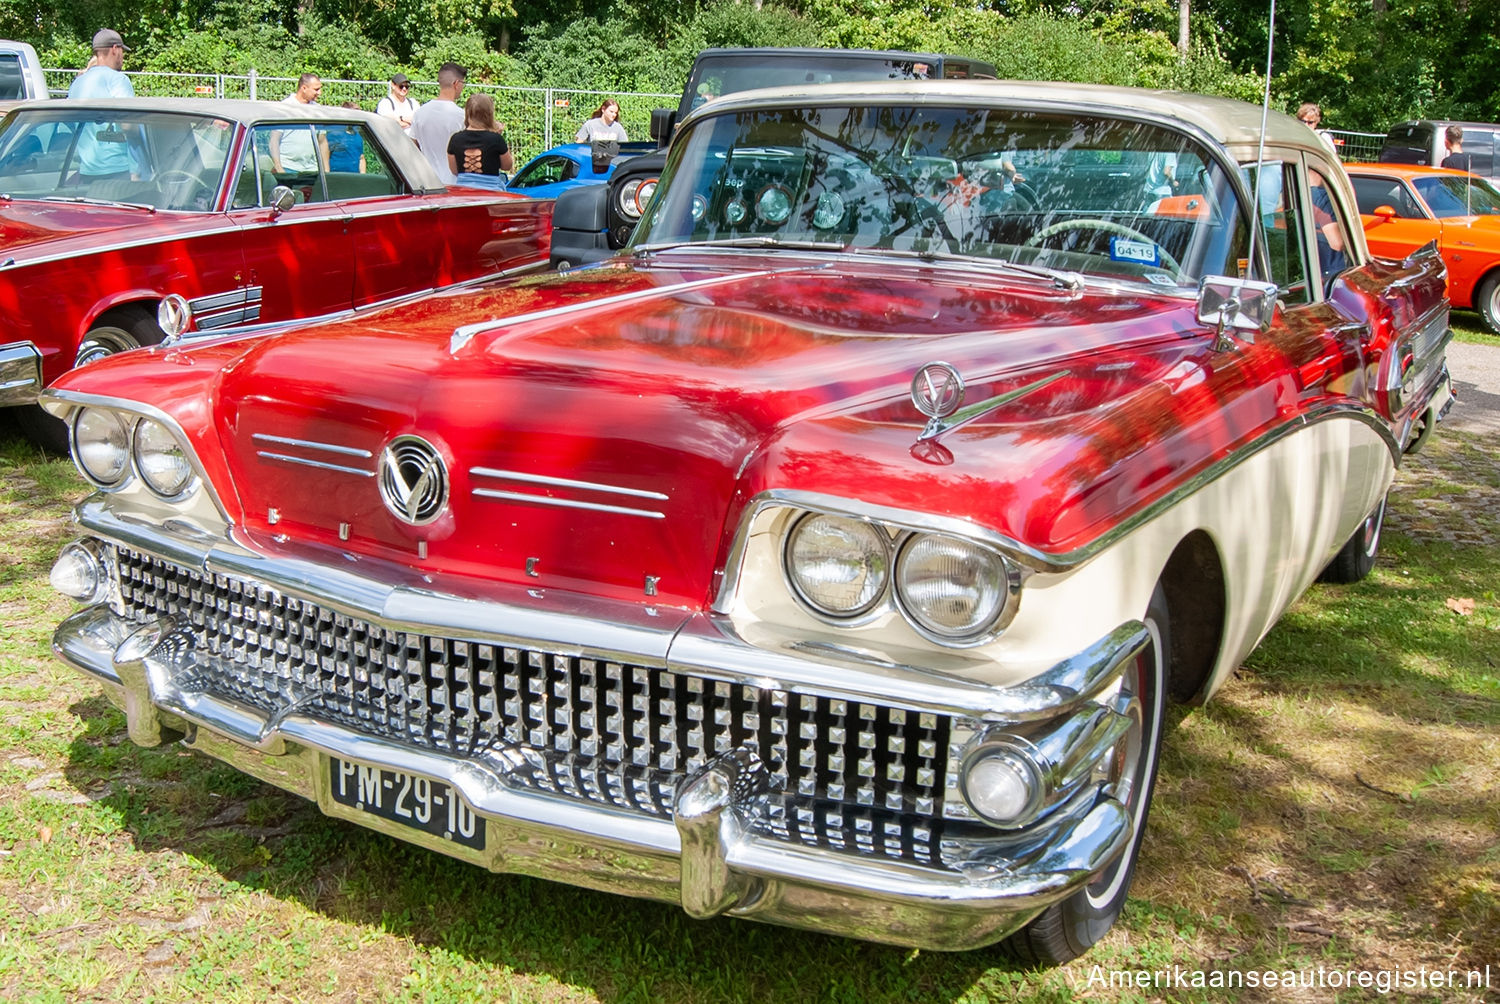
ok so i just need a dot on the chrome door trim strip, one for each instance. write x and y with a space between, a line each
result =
491 493
542 479
321 465
350 451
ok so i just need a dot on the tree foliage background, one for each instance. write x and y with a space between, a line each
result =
1368 62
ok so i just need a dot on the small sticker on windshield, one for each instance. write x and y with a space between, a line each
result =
1125 249
1160 280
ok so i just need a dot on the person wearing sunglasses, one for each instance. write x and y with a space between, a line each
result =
398 104
1310 115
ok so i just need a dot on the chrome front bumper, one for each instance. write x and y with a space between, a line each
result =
20 374
710 852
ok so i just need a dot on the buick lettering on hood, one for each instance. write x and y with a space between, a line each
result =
829 557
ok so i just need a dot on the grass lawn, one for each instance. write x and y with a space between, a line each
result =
1336 806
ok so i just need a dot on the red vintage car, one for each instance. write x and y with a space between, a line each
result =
1405 207
122 222
827 558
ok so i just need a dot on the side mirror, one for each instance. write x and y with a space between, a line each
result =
1243 306
282 199
1384 213
662 121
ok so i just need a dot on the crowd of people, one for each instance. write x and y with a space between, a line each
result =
464 143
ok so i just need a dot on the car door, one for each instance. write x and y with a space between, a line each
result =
300 260
394 235
1393 236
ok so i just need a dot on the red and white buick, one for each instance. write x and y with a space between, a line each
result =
829 557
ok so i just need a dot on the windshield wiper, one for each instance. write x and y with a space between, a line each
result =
759 241
80 200
1070 281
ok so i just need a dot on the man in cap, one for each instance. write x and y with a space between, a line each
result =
104 78
397 104
104 151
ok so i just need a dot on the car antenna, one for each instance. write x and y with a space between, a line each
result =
1260 152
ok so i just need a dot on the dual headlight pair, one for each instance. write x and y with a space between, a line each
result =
634 195
951 590
108 447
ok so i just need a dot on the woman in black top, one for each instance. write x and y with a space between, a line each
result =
478 153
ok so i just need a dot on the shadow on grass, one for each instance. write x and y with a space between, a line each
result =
618 948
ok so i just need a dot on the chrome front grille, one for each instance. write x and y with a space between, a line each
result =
845 775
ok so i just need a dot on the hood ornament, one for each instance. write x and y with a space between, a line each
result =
937 391
413 480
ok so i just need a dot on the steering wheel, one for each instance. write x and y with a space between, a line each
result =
172 175
1108 226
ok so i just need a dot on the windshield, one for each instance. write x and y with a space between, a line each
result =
1086 194
155 159
1458 195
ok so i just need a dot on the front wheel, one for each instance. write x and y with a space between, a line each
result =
129 331
1487 302
1066 930
1357 556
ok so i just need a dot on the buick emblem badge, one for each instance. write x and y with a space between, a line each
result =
937 390
413 480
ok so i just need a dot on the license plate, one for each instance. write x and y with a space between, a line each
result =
418 802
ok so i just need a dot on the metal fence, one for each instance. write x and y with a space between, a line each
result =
1356 146
535 118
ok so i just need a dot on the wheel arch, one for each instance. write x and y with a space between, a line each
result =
1193 584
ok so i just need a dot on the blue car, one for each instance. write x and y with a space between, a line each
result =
554 171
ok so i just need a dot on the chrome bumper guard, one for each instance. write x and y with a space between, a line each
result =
20 374
707 857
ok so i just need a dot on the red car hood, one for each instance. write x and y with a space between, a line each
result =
27 228
649 406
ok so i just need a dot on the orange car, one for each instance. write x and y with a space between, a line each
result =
1404 206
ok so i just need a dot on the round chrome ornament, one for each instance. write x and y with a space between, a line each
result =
413 480
173 315
937 390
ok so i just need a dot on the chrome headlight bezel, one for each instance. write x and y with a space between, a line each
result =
1026 765
168 491
81 446
1006 585
893 599
878 551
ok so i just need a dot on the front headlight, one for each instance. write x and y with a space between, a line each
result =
627 201
161 461
1003 783
838 566
101 447
951 587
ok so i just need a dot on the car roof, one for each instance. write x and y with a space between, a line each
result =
1443 123
1401 170
1229 122
409 160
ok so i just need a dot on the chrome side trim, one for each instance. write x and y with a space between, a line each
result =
493 493
305 462
1033 558
542 479
348 451
465 333
20 374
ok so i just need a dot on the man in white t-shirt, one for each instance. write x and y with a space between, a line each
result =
436 121
397 105
292 150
